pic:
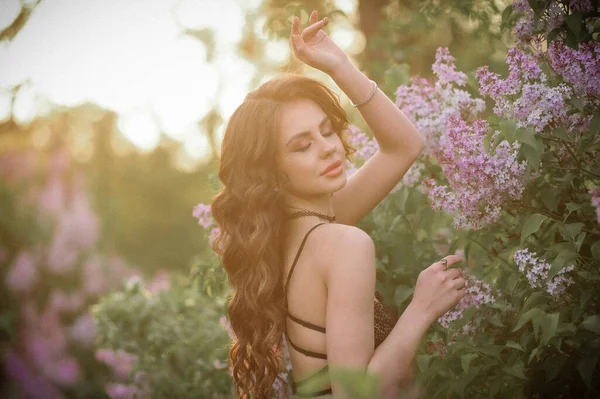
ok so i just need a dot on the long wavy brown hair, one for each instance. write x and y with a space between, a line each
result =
249 211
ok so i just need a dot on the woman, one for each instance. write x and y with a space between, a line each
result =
284 186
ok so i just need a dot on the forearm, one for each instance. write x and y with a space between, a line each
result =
392 359
394 132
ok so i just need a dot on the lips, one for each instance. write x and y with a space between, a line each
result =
331 167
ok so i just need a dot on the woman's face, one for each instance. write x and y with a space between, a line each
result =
311 154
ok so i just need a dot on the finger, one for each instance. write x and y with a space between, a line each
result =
453 273
296 26
314 28
452 260
459 283
314 17
297 44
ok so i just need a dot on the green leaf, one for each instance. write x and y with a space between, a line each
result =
517 370
466 316
574 23
531 155
596 250
586 368
533 300
565 257
402 293
554 367
592 323
577 103
595 124
515 345
571 206
508 127
528 316
506 14
569 231
528 137
549 326
548 196
423 362
495 320
466 360
532 225
579 240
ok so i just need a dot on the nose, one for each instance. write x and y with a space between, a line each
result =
327 147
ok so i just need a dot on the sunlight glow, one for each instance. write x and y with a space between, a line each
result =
140 128
129 57
278 51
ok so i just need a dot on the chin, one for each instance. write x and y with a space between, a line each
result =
339 183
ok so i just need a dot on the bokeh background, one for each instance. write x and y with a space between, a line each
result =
111 118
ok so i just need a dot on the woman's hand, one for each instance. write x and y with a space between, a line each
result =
439 288
314 47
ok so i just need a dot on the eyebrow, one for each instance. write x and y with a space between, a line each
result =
306 132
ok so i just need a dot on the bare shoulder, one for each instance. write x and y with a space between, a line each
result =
344 248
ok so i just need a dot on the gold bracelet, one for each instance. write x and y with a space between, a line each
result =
368 99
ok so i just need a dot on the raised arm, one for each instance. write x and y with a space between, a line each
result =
399 141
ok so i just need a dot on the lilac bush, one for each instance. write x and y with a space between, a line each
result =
55 277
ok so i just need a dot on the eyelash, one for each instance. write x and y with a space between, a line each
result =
326 134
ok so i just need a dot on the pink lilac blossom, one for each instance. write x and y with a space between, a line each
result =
120 361
445 69
581 5
23 273
83 330
52 196
595 193
32 384
556 16
93 276
16 166
120 391
65 371
429 106
365 146
203 214
63 302
580 68
478 183
536 270
525 95
160 282
478 293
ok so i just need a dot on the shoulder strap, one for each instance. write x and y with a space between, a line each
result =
287 283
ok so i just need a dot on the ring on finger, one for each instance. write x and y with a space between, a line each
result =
444 262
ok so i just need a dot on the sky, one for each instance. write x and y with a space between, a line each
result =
131 57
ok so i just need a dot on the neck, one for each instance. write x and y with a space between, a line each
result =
321 204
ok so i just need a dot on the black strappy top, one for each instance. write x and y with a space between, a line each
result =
385 320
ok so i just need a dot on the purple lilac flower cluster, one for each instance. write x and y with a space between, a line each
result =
202 212
55 336
478 183
366 147
478 293
555 13
525 95
595 193
536 270
580 68
429 106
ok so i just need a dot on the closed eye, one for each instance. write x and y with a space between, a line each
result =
302 149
